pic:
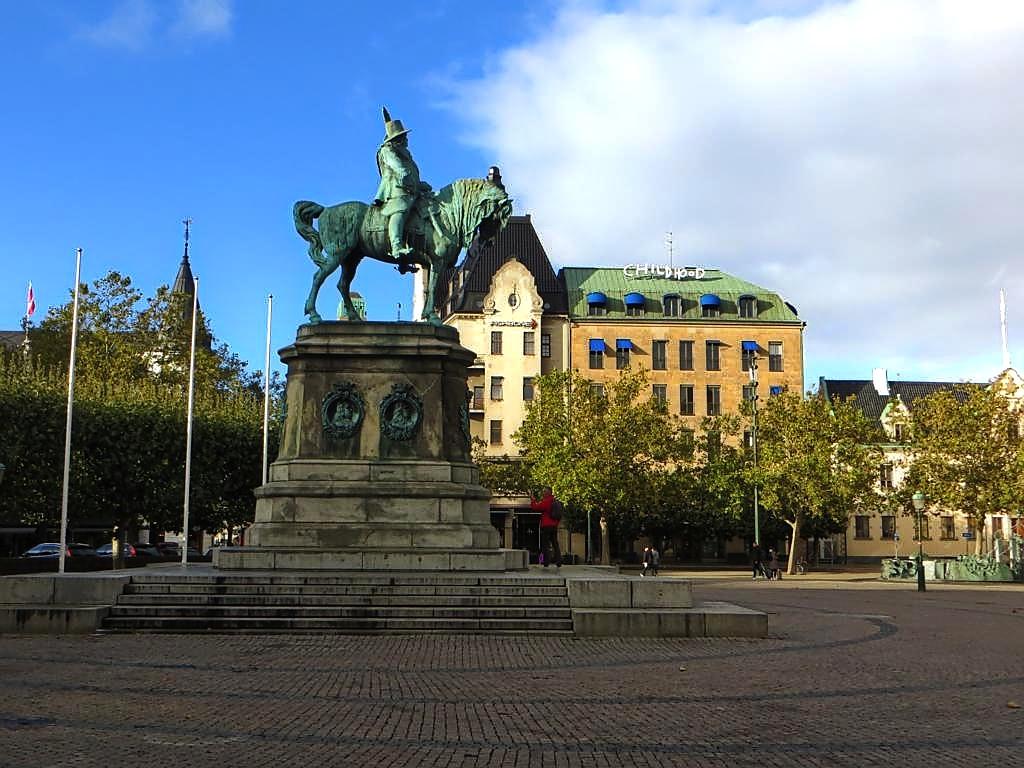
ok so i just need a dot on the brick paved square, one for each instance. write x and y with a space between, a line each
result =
853 674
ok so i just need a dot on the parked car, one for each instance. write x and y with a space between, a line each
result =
142 549
52 549
169 548
127 550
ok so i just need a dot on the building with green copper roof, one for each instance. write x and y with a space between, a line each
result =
694 289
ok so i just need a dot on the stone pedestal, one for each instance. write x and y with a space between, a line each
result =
374 469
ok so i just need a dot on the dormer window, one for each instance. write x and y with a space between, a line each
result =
671 304
748 306
597 304
710 305
635 304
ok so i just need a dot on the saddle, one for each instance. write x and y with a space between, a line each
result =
418 222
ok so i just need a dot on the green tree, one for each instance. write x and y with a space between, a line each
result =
601 451
817 463
966 453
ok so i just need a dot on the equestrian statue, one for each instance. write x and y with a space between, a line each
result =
408 224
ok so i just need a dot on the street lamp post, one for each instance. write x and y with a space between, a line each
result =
753 445
918 501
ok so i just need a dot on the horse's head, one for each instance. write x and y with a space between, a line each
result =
492 212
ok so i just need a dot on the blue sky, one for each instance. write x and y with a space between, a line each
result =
861 158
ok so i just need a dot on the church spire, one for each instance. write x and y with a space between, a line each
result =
185 282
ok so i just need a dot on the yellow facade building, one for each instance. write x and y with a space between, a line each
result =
697 331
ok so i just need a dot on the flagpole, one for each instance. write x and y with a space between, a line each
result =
266 391
67 428
188 429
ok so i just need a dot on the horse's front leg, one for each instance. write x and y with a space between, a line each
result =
430 291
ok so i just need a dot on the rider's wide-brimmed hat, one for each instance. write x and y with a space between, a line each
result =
392 128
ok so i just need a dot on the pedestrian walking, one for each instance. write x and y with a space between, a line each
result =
550 510
655 560
755 561
646 562
773 565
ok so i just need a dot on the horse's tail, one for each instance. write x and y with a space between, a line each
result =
304 212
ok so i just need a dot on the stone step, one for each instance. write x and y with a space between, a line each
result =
357 590
350 625
353 578
328 611
344 599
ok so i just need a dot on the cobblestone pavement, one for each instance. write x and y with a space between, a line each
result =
852 675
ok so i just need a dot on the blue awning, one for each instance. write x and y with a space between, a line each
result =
709 300
635 300
750 346
597 345
775 390
623 344
596 298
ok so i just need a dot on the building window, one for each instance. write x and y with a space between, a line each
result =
596 310
885 476
947 530
921 532
686 399
997 526
862 527
528 344
888 527
496 432
527 389
671 306
622 358
597 358
513 300
685 355
714 400
545 345
478 397
596 389
749 393
897 432
748 359
497 385
774 355
635 310
1017 526
495 342
748 306
659 394
711 362
659 355
709 310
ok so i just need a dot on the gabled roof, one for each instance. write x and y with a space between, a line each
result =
872 404
518 239
615 284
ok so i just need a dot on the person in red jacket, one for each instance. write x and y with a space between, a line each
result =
548 527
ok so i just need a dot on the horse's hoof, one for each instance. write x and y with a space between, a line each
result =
435 321
314 318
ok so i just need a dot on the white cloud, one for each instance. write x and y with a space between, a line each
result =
134 24
197 18
130 25
862 158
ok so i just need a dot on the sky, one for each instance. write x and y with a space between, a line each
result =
863 158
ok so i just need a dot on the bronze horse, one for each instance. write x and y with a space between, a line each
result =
468 213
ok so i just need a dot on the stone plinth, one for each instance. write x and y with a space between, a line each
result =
374 468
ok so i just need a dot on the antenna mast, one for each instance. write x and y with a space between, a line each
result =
1002 327
188 223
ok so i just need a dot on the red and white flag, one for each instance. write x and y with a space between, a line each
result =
30 307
